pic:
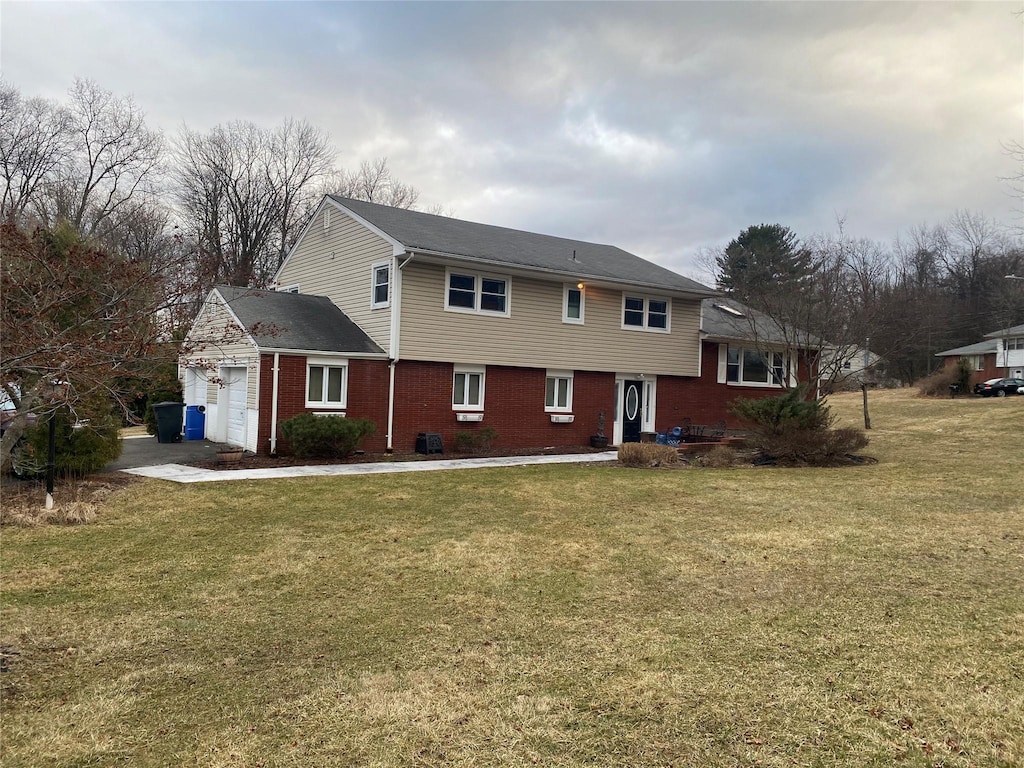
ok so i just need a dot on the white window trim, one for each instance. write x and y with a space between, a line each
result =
288 288
565 305
478 278
327 220
328 362
470 369
723 367
553 374
647 299
374 304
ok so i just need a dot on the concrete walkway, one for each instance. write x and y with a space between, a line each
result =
179 473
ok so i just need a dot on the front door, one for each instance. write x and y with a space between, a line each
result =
632 410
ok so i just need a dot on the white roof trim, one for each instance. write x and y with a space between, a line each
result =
325 353
246 336
397 247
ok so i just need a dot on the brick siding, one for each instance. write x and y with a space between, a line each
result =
513 402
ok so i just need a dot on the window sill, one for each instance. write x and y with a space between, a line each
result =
644 330
328 413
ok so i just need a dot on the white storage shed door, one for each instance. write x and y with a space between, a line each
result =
235 380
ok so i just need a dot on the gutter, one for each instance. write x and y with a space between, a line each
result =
617 283
273 405
396 330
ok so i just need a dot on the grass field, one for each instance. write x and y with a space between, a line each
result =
554 616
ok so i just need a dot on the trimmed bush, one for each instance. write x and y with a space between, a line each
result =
82 447
791 429
719 457
475 441
328 437
647 455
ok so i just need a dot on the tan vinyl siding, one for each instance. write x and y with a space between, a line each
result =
216 338
336 264
535 336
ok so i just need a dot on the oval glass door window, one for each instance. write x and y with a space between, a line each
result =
632 401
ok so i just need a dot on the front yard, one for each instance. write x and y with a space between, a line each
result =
555 616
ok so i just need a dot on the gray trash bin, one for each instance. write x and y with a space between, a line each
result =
168 421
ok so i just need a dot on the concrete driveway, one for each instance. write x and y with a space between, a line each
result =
146 452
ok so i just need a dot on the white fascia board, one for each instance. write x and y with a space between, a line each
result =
397 248
206 304
440 257
312 220
323 353
239 323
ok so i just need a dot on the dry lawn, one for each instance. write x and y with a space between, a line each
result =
555 616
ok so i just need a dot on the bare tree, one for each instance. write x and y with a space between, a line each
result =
34 141
244 191
375 183
113 160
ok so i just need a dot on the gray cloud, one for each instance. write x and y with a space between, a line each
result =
658 127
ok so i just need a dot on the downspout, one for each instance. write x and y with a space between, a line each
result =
273 406
396 328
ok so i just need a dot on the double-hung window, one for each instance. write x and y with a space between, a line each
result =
482 294
645 313
572 304
755 367
380 288
558 391
326 383
468 388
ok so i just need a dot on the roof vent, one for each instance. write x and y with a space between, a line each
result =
729 310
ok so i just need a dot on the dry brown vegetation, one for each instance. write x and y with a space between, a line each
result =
548 615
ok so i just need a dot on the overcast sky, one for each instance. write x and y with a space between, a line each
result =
661 128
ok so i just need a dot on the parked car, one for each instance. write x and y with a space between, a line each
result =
999 387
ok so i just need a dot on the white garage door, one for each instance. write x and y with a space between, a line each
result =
234 390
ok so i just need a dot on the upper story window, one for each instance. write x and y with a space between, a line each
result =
472 292
1015 343
381 285
326 383
558 391
468 388
754 367
288 289
645 313
572 304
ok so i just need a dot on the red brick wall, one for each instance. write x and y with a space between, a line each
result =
513 402
704 400
367 397
513 406
988 371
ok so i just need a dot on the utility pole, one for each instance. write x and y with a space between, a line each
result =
864 382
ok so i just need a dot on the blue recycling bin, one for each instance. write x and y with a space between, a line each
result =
195 422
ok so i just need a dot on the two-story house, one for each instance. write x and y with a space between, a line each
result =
425 323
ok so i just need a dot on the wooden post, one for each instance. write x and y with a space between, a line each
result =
867 416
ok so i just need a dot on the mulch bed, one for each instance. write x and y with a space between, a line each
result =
253 461
74 501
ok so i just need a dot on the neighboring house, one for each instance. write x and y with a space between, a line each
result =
428 324
1009 351
981 358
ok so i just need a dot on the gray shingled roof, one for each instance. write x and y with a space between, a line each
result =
296 321
515 248
719 323
981 348
1017 330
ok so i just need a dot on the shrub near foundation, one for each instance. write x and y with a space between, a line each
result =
647 455
328 437
796 430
